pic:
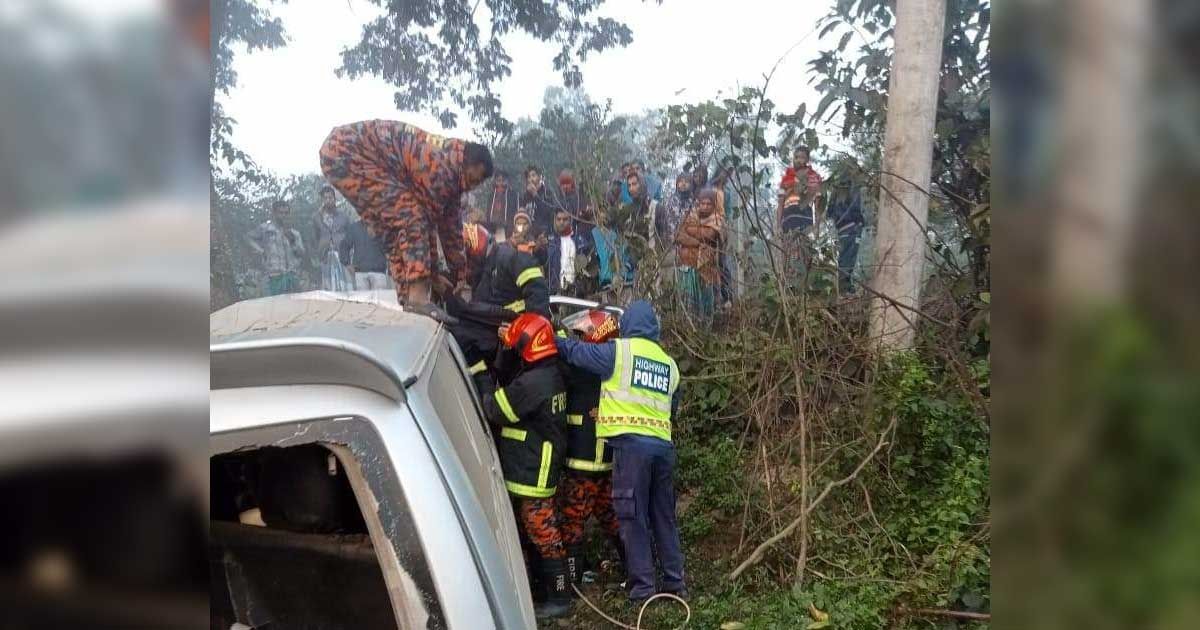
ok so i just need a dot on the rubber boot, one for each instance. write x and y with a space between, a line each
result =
558 598
537 589
575 566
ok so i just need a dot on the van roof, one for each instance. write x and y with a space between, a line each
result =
364 339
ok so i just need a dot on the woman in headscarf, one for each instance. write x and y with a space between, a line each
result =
699 242
678 205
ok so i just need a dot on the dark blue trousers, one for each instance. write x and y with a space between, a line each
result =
849 235
644 502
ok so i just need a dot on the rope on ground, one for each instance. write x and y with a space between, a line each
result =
642 611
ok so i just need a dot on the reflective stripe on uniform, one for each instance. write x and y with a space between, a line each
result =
477 368
634 421
529 274
529 491
513 434
637 399
544 470
505 407
587 465
516 306
575 419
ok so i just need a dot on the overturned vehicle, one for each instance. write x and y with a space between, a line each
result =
355 483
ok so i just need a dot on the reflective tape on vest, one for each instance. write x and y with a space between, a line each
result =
529 274
513 434
656 404
516 306
592 465
505 407
588 465
636 398
544 469
529 491
575 419
477 368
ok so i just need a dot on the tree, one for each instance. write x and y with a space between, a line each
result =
854 76
907 164
436 54
236 23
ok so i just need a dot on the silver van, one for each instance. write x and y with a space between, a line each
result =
354 480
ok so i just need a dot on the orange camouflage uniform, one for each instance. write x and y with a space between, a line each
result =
580 497
404 182
538 519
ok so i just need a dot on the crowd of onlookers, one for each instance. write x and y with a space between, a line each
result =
589 243
343 253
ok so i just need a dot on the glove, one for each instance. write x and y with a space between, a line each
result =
463 291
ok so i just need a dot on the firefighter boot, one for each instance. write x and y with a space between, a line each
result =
558 598
575 563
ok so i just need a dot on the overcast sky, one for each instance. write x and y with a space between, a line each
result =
288 99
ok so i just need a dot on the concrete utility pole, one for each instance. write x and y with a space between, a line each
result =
907 163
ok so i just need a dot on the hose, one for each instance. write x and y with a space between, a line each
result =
641 611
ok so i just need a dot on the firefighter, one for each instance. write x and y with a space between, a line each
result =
639 395
510 283
586 489
531 414
476 240
404 182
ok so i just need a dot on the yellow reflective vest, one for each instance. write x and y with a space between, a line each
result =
636 397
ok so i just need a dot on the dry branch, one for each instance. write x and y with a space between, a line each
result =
758 552
935 612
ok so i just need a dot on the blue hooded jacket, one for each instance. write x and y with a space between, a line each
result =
639 320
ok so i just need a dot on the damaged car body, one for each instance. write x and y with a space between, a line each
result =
354 480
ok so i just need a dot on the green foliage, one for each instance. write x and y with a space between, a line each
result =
236 24
854 80
573 132
435 52
922 542
715 475
238 205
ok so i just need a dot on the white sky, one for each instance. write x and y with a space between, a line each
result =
288 99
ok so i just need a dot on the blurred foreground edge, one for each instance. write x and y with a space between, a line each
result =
103 374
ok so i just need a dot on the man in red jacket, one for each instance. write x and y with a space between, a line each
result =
407 185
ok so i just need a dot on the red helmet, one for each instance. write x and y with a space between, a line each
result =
475 240
596 325
531 335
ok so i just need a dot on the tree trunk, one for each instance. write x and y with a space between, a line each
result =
907 163
1103 98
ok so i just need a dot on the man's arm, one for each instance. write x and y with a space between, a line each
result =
254 239
813 189
497 408
348 244
450 231
317 237
507 405
298 244
535 291
599 359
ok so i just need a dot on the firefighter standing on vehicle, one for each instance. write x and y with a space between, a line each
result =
405 182
530 411
586 489
639 395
